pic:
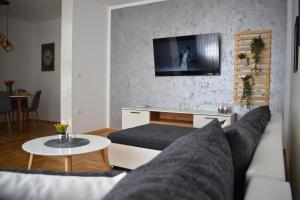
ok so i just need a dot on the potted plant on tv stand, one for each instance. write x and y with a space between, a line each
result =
243 59
9 84
61 129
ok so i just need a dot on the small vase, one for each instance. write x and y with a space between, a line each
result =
63 138
9 89
69 138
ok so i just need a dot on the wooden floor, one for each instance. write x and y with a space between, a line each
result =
13 157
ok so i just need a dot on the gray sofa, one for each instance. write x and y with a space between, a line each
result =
200 165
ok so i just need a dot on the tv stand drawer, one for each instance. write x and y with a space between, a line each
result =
202 120
133 118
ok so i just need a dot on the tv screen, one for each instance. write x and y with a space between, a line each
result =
187 55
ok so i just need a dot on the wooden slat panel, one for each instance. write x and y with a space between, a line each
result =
257 80
261 88
251 62
254 98
263 54
240 86
243 73
252 103
251 56
249 48
251 37
240 93
240 67
252 32
267 42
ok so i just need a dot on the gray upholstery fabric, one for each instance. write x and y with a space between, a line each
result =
151 136
111 173
243 138
258 117
35 102
196 166
5 106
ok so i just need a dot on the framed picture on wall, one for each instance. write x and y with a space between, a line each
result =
48 57
297 41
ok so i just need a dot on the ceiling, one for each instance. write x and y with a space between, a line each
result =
117 2
42 10
35 10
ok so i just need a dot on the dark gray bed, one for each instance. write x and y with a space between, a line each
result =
151 136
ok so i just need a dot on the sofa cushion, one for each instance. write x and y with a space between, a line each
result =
110 173
195 166
243 138
258 117
42 185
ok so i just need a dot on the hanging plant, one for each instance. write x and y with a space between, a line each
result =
248 82
257 45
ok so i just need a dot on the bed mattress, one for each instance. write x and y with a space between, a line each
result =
151 136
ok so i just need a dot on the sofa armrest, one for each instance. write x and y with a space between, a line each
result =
268 161
262 189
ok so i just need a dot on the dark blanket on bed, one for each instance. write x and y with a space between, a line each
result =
151 136
197 166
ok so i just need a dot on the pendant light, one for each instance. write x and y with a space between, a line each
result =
4 42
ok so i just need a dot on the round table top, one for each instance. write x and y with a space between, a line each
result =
37 146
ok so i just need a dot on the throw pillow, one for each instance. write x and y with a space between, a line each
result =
18 185
243 138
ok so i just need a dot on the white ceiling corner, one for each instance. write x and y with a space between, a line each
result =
35 10
43 10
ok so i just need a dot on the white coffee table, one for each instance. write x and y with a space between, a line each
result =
96 143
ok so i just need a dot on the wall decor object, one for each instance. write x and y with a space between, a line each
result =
252 79
296 44
4 41
48 57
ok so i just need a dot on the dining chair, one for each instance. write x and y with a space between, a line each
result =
5 108
34 107
24 107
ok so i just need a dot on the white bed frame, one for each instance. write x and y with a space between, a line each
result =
129 157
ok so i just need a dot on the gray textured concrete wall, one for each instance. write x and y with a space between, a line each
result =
133 81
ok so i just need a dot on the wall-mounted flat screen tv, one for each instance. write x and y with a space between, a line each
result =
187 55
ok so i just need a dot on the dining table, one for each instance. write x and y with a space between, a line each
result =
17 97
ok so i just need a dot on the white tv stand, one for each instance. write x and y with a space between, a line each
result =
132 117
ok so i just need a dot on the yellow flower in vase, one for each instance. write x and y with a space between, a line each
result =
61 128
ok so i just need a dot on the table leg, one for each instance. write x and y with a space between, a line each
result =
104 157
19 117
30 161
68 163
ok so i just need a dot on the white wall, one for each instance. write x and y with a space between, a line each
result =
85 63
48 82
24 63
16 64
66 61
289 61
89 66
294 127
